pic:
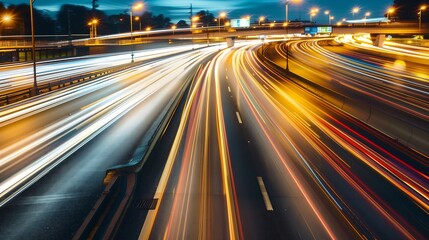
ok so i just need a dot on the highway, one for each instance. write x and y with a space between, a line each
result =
395 89
20 76
252 152
258 156
56 147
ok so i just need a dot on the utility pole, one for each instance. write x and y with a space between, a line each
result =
33 50
68 25
191 14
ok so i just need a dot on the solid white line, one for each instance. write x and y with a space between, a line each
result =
265 194
229 89
238 117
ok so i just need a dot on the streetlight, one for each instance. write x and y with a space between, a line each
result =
354 11
94 23
389 13
367 14
133 7
422 8
271 26
194 19
147 31
221 15
173 28
313 13
329 16
140 22
33 49
287 7
6 18
90 30
261 19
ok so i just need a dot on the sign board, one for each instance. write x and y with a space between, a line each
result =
240 23
324 29
318 30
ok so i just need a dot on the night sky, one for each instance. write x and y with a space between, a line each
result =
272 9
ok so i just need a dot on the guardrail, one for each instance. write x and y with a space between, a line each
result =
15 96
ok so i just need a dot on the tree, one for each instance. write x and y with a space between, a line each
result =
75 18
182 24
43 24
407 10
206 18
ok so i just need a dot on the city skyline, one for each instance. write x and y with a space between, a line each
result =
177 10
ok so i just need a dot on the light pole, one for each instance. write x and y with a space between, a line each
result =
329 16
422 8
194 19
94 23
313 13
367 14
33 49
261 19
221 15
133 7
90 30
173 28
140 22
354 11
287 2
389 13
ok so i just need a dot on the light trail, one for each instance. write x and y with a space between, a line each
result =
33 154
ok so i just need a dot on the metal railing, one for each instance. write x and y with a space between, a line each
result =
19 95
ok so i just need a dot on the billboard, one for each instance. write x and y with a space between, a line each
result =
240 23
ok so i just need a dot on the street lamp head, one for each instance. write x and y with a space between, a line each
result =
261 18
327 12
391 10
195 19
222 14
314 10
6 18
355 10
423 7
137 18
148 28
94 21
173 27
137 6
367 14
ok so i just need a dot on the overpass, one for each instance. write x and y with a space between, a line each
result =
19 50
378 32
